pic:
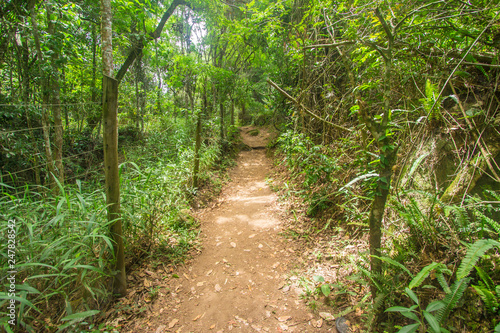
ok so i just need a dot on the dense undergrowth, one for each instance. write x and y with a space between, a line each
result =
63 253
439 259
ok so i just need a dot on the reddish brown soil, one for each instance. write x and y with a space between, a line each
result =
241 280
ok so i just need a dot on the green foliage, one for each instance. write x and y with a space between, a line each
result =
473 254
489 293
453 293
430 101
416 313
63 251
315 167
64 254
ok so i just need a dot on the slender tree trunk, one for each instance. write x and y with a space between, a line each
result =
135 118
95 114
45 99
56 101
110 137
197 147
24 70
222 135
232 111
158 74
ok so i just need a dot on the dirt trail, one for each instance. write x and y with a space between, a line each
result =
240 281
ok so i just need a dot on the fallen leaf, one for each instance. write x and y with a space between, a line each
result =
209 272
257 328
197 317
212 327
161 328
283 327
284 318
252 235
326 316
233 244
172 323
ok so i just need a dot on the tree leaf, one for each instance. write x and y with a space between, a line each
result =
432 321
410 315
318 278
412 295
397 309
436 305
325 289
409 328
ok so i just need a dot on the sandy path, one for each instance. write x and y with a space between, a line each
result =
240 281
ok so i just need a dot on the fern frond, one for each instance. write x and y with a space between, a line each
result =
416 164
474 253
489 221
423 274
451 299
488 298
488 282
378 302
394 263
442 281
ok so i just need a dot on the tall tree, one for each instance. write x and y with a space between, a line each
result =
110 137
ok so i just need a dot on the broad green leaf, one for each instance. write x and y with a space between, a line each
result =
411 315
80 315
412 295
325 289
432 321
436 305
397 309
20 299
318 278
409 328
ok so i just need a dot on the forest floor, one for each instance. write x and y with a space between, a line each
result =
242 279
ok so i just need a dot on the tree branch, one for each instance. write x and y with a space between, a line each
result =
386 27
284 93
347 42
137 49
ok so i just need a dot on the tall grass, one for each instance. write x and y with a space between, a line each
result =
64 251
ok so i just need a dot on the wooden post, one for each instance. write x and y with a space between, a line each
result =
110 136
